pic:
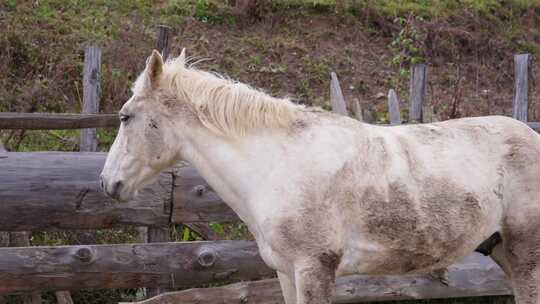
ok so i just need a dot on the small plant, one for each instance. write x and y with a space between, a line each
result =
406 46
253 62
203 10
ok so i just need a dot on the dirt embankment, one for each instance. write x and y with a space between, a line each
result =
285 51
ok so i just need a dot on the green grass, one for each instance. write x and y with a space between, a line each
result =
424 8
53 140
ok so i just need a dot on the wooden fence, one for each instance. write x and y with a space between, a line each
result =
54 190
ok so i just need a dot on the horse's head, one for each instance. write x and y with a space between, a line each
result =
146 143
173 107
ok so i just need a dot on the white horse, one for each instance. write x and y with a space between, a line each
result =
325 195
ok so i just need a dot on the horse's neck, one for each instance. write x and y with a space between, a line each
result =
269 163
233 168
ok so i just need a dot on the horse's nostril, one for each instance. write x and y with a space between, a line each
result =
101 183
117 187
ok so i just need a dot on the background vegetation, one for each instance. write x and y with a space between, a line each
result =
286 47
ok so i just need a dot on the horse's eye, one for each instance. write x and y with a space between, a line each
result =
124 118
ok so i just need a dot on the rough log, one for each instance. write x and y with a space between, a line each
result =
57 190
22 239
51 121
476 276
174 265
263 292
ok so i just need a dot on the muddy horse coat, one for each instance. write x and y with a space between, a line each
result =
325 195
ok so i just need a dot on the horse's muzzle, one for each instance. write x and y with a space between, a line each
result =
113 190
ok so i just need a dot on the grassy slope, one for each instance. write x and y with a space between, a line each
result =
370 44
289 51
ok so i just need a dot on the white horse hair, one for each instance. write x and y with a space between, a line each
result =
325 195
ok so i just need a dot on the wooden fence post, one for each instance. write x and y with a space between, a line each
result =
357 109
520 105
336 96
91 91
418 87
393 108
163 41
157 235
88 141
4 236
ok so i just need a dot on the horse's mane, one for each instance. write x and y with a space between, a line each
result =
225 106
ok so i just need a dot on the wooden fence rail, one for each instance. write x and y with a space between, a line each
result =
53 121
186 264
475 276
58 190
189 264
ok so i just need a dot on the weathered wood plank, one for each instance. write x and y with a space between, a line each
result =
163 41
172 265
520 105
57 190
161 234
418 91
52 121
357 108
4 235
534 125
336 96
427 114
88 137
91 92
263 292
195 200
393 108
476 276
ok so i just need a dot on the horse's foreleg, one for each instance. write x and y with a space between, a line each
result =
315 282
287 287
526 283
499 256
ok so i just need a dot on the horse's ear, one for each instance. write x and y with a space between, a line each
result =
182 57
181 60
154 68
